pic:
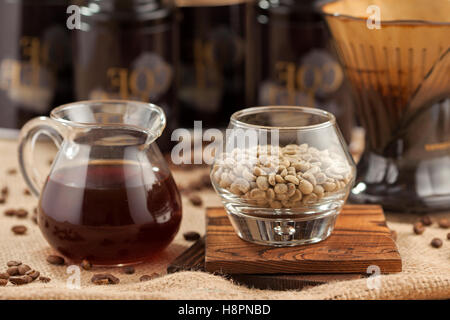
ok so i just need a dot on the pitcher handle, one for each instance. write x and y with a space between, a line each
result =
27 140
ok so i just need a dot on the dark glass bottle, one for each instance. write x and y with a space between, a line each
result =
213 66
35 59
294 61
128 50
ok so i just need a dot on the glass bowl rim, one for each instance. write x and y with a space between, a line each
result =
331 119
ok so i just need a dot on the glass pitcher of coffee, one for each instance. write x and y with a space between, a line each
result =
109 197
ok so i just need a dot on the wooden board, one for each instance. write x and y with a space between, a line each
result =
194 259
360 239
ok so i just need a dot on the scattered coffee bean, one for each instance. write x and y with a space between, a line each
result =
436 243
128 270
33 274
5 191
13 271
444 223
10 212
26 192
19 229
418 228
147 277
11 171
86 265
191 236
23 269
448 236
20 280
21 213
104 278
101 281
3 282
4 275
44 279
13 263
56 260
426 221
2 199
196 200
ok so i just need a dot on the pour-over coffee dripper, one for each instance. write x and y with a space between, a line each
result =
400 78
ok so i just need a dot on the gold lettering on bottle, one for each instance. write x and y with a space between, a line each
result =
149 81
437 146
118 78
29 80
129 83
306 78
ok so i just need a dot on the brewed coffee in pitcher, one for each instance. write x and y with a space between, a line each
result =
109 197
399 71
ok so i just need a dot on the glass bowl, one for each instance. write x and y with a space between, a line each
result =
283 174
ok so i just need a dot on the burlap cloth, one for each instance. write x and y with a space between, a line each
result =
426 271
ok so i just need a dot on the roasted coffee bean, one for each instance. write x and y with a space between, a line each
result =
101 281
86 265
196 200
33 274
128 270
44 279
11 171
147 277
3 282
23 269
444 223
13 263
448 236
56 260
426 221
20 280
418 228
4 275
10 212
26 192
5 191
191 236
13 271
104 278
436 243
2 200
19 229
21 213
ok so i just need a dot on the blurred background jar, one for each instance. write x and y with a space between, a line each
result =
127 49
213 66
35 59
295 62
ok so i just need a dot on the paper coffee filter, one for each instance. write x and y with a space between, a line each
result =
387 64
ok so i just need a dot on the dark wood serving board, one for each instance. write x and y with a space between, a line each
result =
194 259
360 239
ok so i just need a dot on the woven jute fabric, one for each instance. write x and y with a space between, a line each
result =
425 275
